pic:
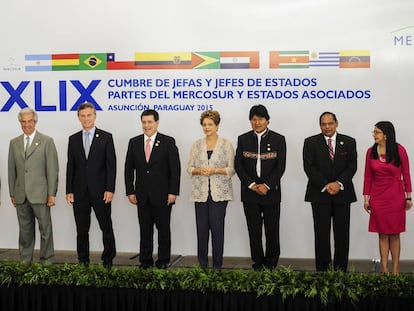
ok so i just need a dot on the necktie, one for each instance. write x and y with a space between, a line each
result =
87 144
26 148
330 148
148 149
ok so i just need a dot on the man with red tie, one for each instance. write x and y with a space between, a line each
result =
152 181
330 162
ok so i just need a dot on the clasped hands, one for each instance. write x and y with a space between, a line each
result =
207 171
333 188
260 189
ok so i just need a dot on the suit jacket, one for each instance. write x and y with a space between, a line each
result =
273 163
152 181
321 170
95 174
36 176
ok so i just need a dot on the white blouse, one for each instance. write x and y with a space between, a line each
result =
220 185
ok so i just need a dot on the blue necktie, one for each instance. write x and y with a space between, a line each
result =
87 144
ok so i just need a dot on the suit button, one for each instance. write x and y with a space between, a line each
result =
147 172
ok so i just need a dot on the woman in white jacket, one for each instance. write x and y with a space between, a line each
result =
211 167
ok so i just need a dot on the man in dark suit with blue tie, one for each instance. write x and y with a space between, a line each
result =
260 163
330 162
152 181
90 183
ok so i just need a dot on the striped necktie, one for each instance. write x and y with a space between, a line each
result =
330 148
27 146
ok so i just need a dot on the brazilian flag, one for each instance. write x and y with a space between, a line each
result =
95 61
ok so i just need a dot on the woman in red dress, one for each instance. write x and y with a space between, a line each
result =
387 191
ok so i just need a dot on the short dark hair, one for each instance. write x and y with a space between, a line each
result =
86 105
325 113
259 111
150 112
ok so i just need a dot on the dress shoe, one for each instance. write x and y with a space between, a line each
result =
144 266
162 266
258 267
108 264
84 263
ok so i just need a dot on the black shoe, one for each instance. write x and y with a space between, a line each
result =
108 264
161 266
144 266
258 267
84 263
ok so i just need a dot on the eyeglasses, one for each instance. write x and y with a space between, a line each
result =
376 132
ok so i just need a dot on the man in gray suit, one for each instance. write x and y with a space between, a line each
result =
33 180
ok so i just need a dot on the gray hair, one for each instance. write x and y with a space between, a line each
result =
27 111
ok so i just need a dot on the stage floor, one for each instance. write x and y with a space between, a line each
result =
178 261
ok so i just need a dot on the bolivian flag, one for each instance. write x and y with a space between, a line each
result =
65 62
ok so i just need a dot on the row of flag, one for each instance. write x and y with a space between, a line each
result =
306 59
197 60
142 61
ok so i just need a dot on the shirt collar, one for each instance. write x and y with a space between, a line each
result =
262 133
333 137
31 136
92 131
152 137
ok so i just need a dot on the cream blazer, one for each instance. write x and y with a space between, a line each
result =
220 185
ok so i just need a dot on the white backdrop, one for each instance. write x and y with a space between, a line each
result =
126 27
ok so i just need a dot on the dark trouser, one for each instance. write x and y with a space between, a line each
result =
322 215
210 217
256 216
82 211
149 215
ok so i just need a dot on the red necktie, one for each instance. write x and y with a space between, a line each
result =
330 147
148 149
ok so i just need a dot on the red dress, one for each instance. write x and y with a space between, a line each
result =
386 185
